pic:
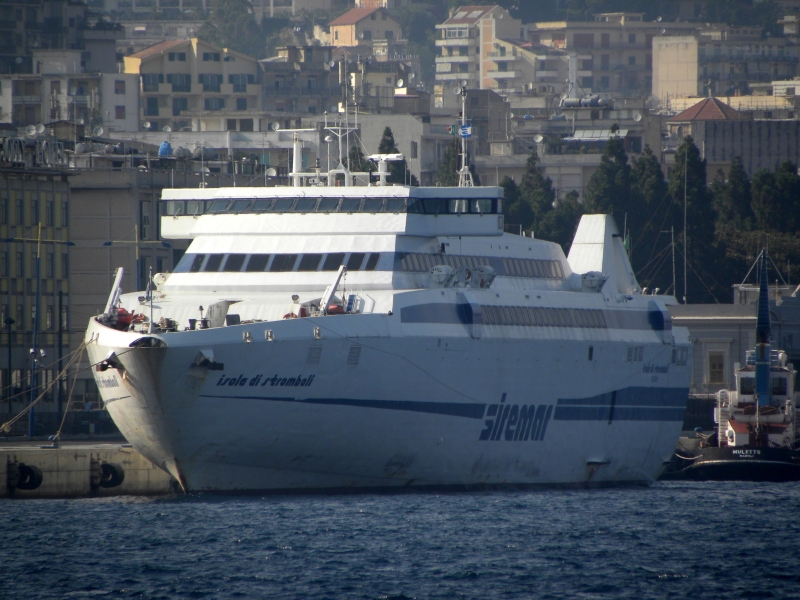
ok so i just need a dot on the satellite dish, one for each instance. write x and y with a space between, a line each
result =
97 131
274 126
328 139
30 130
463 83
663 31
146 124
271 172
658 19
39 128
538 138
399 83
18 60
511 115
637 117
166 129
332 64
412 76
80 121
457 91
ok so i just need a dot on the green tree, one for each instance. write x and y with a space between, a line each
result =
358 163
687 188
776 199
650 216
397 168
560 224
733 197
609 189
231 24
447 175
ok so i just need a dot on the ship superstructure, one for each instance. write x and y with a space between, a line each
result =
376 336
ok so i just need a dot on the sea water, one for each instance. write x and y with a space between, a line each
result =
673 540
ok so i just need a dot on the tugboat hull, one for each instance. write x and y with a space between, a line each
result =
736 464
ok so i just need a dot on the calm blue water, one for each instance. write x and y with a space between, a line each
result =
678 540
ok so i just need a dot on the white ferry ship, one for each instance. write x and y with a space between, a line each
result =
370 337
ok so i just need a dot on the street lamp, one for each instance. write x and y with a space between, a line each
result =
137 242
8 323
35 350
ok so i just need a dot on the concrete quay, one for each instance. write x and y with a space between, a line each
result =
77 469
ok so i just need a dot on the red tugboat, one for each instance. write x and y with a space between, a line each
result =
756 436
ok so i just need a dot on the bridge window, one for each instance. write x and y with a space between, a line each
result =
262 205
283 262
372 205
458 206
257 263
528 316
197 262
395 205
214 262
282 205
218 206
355 261
350 205
333 261
372 261
234 262
305 205
778 385
309 262
238 206
328 205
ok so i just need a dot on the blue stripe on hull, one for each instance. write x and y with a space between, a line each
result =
627 404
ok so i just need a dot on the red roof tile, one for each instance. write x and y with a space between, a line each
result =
353 16
709 109
158 48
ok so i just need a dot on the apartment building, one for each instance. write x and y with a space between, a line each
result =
29 197
720 61
140 34
193 75
361 26
614 52
61 90
300 80
472 50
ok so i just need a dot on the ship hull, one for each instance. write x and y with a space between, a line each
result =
307 412
737 464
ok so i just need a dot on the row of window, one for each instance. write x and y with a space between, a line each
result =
47 265
511 267
277 263
438 206
34 211
49 323
528 316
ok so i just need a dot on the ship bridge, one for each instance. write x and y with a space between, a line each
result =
309 211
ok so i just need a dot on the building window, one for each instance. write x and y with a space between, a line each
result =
48 213
50 266
214 103
241 104
64 266
119 112
145 231
389 34
49 318
181 82
151 107
414 150
631 38
211 56
230 125
64 215
239 83
179 104
34 212
20 215
3 266
366 34
211 81
119 86
716 368
20 264
150 81
335 34
632 60
3 211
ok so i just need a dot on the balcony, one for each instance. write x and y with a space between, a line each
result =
78 99
546 74
503 74
496 56
454 76
456 42
452 59
27 99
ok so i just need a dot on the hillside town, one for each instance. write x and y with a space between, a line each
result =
683 121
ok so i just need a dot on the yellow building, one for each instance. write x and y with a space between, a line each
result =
193 75
360 26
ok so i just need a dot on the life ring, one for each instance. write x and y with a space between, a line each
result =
140 318
290 316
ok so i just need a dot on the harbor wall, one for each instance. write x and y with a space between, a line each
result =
79 471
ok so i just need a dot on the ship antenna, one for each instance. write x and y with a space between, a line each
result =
464 174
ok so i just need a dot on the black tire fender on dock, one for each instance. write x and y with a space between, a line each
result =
113 475
30 477
95 474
